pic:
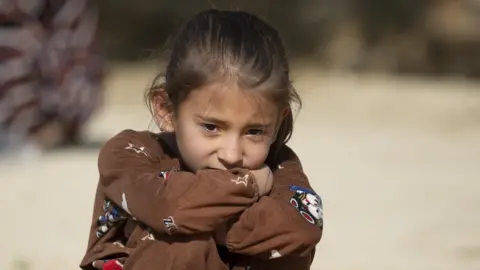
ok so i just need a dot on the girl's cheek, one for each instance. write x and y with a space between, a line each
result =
256 154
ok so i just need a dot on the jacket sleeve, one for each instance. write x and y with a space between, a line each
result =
135 176
289 221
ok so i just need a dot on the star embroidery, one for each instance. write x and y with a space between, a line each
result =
149 236
117 243
137 149
275 254
125 204
241 180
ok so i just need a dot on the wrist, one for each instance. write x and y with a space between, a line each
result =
255 187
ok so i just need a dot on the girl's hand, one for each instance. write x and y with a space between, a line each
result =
264 179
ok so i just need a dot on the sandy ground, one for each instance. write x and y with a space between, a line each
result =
396 161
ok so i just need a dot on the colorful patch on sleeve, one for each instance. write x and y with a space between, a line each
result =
165 173
111 215
112 264
308 203
170 225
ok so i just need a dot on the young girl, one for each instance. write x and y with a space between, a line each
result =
204 196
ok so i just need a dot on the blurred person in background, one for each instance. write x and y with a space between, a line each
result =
50 72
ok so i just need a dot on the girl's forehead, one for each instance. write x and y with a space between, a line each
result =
231 102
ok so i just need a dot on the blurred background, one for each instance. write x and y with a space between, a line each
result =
389 133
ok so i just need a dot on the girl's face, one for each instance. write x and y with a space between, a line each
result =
220 126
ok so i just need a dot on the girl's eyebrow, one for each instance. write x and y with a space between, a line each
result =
225 123
211 119
259 125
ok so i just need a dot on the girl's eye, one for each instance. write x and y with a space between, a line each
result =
256 132
210 127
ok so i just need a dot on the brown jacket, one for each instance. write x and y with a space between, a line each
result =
143 194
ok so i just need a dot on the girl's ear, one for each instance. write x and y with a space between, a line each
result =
163 110
284 113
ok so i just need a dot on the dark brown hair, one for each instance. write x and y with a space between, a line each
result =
233 46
